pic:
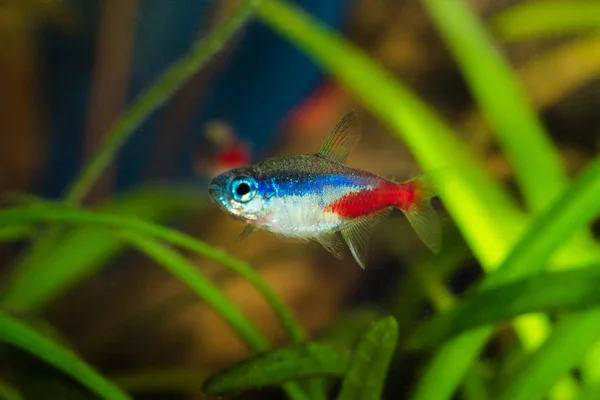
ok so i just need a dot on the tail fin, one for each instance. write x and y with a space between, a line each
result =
421 215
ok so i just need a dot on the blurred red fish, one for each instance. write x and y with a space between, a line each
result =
222 150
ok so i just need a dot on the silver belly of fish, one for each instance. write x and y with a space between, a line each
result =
298 216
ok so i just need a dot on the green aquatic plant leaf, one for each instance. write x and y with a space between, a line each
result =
183 270
590 392
565 291
549 18
367 373
573 210
8 392
16 233
536 163
20 215
168 380
17 334
569 342
286 364
346 329
83 250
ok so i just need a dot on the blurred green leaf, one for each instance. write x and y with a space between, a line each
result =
170 380
536 164
15 233
475 387
569 342
7 392
26 215
569 291
367 373
590 392
549 18
83 250
347 328
290 363
17 334
574 209
21 215
207 290
183 270
38 380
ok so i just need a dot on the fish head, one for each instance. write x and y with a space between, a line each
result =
240 193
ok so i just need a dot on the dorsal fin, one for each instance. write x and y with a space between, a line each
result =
342 139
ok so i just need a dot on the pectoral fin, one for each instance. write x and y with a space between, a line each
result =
358 235
245 233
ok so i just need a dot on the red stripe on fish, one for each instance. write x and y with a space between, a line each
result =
388 194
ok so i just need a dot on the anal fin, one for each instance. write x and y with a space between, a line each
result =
333 243
358 235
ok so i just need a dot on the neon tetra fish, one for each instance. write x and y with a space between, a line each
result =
318 197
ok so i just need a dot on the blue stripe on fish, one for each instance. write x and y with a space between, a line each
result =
310 184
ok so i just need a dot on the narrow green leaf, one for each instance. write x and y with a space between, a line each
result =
15 233
41 278
207 290
590 392
290 363
475 387
7 392
25 215
365 379
122 222
537 165
17 334
572 211
568 291
569 342
183 270
549 18
450 365
347 328
171 380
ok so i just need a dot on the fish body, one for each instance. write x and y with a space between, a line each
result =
318 197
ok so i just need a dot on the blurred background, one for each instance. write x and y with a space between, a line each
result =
69 68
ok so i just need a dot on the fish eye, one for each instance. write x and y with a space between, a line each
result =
243 189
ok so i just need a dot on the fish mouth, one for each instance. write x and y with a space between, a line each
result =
215 191
214 188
